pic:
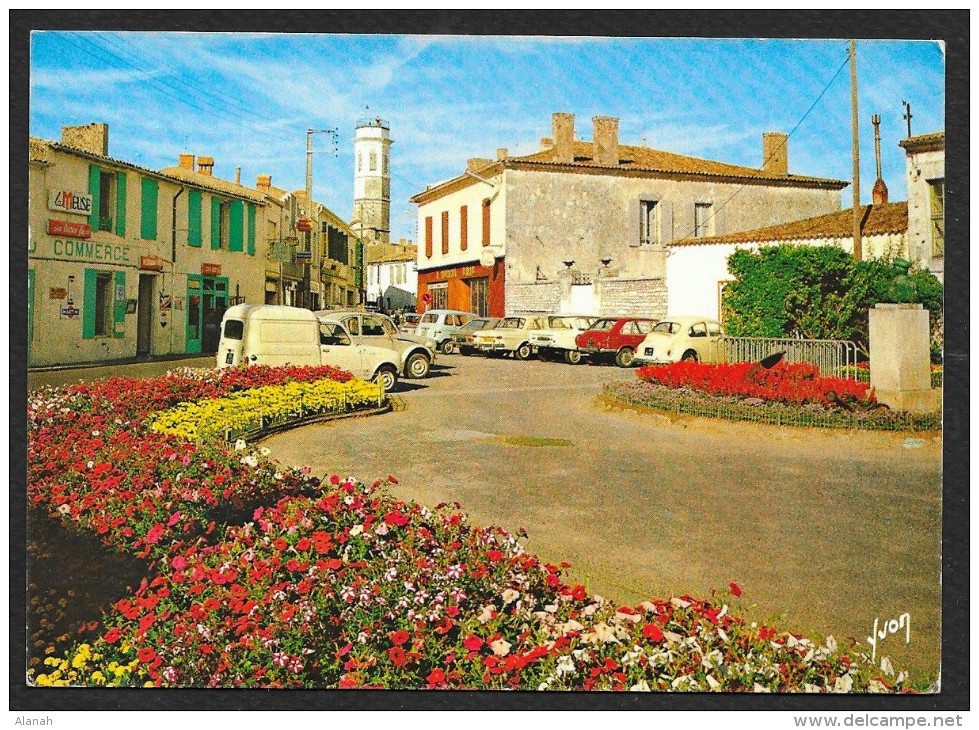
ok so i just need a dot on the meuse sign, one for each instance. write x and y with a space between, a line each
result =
69 202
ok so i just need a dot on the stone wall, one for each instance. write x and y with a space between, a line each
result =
543 297
645 297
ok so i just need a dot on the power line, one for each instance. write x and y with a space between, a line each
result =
776 151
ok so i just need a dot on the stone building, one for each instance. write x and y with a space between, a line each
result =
696 268
925 155
585 227
371 219
124 261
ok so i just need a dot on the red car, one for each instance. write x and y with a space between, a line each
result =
618 336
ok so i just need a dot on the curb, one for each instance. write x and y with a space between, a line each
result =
258 436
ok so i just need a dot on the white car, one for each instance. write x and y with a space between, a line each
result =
681 338
557 337
415 354
511 334
440 325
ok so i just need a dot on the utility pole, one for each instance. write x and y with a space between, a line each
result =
309 210
857 237
908 115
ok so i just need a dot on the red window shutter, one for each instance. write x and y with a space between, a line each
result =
463 228
428 236
445 232
486 221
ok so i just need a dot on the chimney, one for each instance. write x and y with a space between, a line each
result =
205 165
546 143
880 187
501 153
92 138
775 151
187 161
237 176
605 140
263 183
563 125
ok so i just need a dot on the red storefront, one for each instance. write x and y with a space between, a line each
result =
467 287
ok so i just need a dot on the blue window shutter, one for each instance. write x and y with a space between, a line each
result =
121 204
88 304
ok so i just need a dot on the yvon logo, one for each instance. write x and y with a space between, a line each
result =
69 202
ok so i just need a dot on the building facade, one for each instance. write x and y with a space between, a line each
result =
371 219
925 156
585 227
697 268
128 262
392 276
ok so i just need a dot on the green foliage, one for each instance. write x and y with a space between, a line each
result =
815 292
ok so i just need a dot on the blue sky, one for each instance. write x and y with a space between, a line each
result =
247 100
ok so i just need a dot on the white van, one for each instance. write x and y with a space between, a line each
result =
274 335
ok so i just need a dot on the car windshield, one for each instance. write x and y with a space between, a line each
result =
559 323
511 323
668 327
430 319
603 325
474 324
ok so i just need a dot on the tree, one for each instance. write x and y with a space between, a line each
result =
814 292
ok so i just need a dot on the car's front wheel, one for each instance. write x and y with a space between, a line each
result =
523 352
690 356
387 378
572 357
447 347
624 357
417 366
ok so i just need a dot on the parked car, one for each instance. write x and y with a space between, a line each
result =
682 338
409 322
463 340
275 335
415 357
511 335
556 339
440 325
615 336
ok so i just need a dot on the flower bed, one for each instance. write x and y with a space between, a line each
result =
334 584
784 395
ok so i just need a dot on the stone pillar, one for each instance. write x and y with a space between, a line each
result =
900 364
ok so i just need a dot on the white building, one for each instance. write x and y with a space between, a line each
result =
392 276
371 219
696 269
926 201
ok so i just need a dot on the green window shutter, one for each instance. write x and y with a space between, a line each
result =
215 223
251 229
88 304
119 306
94 189
194 218
148 210
235 228
121 204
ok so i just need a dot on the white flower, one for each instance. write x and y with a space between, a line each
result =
509 596
875 686
264 451
381 529
486 614
602 634
356 530
831 644
811 688
886 667
714 684
843 684
240 445
641 686
565 665
760 689
500 647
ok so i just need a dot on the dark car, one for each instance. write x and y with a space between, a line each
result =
462 340
615 336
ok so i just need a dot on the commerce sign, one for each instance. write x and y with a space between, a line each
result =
72 250
70 202
68 228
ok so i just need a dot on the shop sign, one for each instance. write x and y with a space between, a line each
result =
304 255
68 228
211 269
72 250
70 202
151 263
304 224
69 310
58 292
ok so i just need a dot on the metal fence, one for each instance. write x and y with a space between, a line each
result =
836 358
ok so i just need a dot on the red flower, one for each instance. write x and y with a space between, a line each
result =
735 589
396 519
392 479
494 556
435 677
146 655
112 635
578 593
652 633
399 637
473 643
397 656
155 533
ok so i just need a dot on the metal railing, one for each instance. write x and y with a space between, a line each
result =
835 358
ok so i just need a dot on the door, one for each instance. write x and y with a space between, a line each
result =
337 349
214 302
144 316
194 324
479 296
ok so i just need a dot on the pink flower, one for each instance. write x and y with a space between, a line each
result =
179 562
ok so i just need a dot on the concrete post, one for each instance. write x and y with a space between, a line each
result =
900 370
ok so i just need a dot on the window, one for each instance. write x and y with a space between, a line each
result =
428 236
698 330
103 304
373 161
648 223
445 232
486 221
440 296
936 192
463 228
360 161
108 191
479 296
703 220
384 162
106 199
